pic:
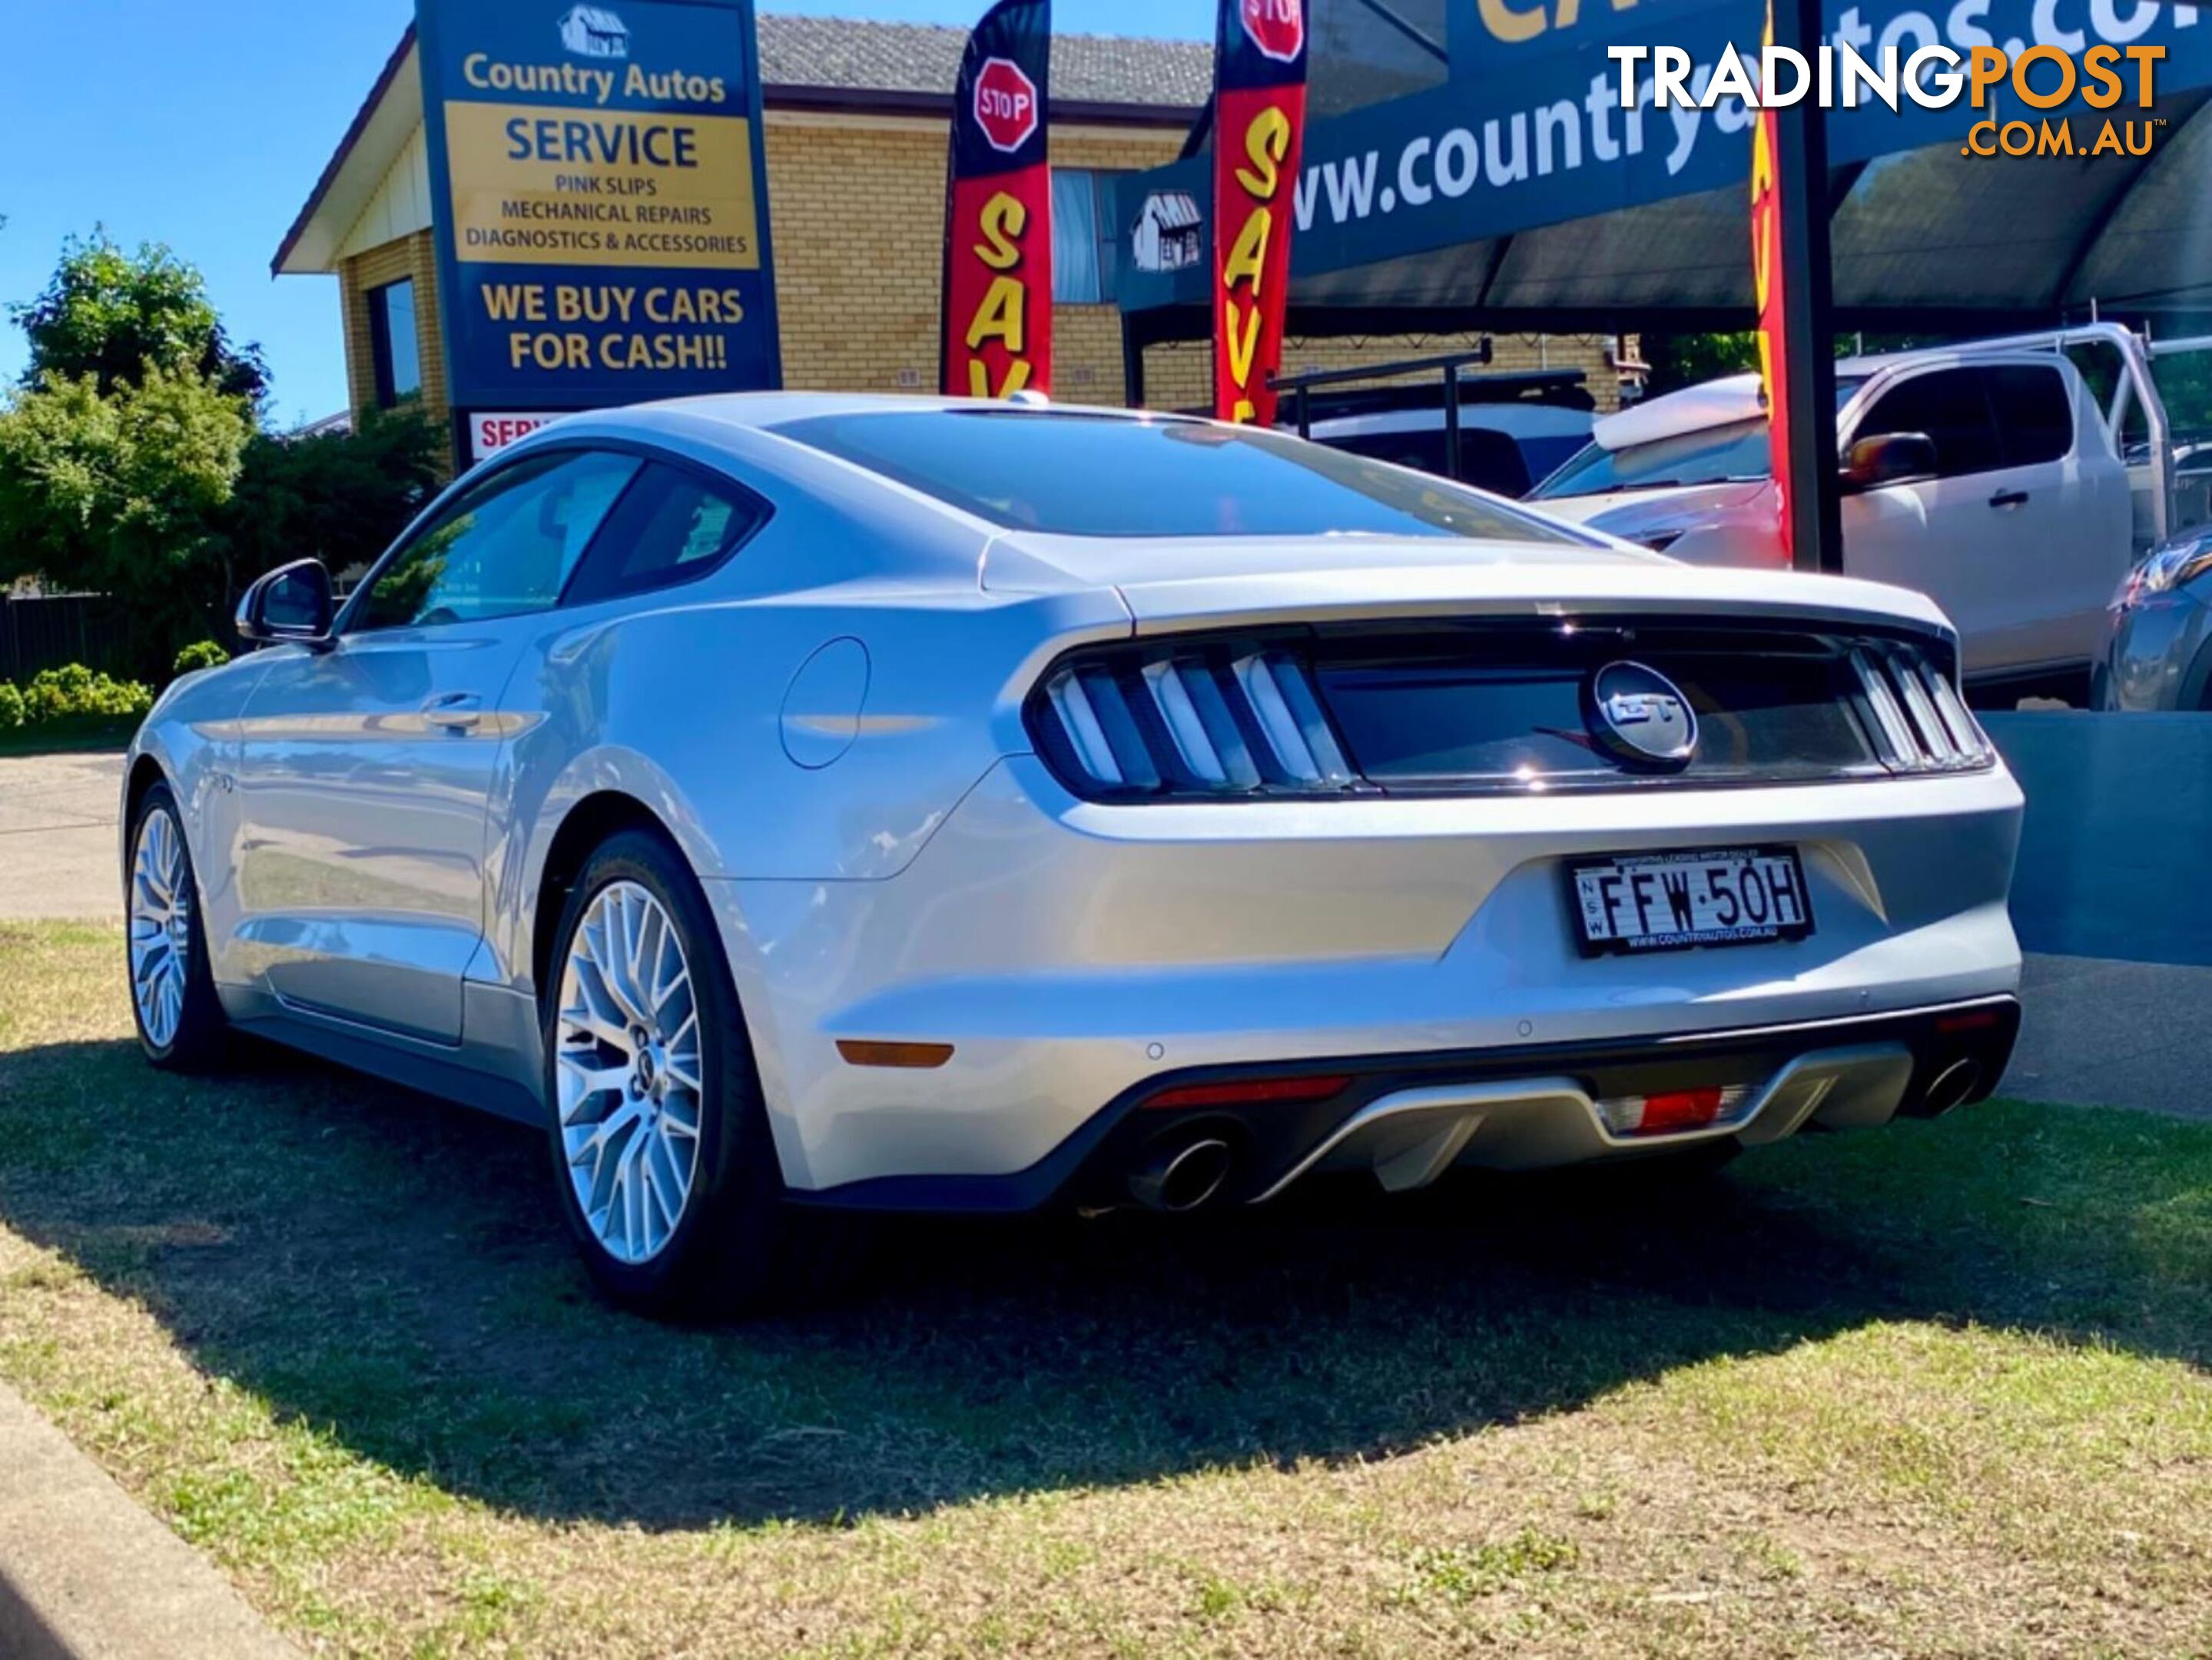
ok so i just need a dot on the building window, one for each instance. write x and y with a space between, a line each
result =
392 342
1082 250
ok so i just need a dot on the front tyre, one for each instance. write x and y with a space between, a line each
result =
661 1150
181 1022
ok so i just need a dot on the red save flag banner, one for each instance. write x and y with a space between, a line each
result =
1766 286
997 330
1259 128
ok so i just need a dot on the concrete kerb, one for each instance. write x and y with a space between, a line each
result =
86 1574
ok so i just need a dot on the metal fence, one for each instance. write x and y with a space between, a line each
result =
49 631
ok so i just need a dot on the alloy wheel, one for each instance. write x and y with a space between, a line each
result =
627 1071
160 928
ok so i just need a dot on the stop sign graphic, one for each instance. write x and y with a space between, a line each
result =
1278 27
1005 104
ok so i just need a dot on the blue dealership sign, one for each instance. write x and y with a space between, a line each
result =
1527 129
600 200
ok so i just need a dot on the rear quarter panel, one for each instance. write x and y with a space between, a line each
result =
690 700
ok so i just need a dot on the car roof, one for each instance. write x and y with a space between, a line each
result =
721 422
765 410
1737 397
1861 368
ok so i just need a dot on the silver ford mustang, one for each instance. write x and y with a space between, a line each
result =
799 804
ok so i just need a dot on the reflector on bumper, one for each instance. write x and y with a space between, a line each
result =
1675 1109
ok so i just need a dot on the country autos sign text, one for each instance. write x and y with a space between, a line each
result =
599 201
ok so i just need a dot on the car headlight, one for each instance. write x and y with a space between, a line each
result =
2164 567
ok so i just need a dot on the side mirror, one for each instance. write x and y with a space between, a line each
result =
1895 458
292 602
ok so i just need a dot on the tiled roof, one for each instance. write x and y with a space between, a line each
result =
851 63
845 54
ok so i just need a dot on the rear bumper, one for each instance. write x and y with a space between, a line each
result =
1067 953
1408 1118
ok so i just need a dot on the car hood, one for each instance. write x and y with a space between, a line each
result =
1202 581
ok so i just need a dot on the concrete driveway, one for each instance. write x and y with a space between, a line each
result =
57 835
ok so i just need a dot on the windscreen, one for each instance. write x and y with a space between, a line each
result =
1716 455
1067 474
1737 453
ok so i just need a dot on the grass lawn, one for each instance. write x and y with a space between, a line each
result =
1936 1390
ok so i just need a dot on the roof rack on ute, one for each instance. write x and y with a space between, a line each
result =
1551 388
1333 394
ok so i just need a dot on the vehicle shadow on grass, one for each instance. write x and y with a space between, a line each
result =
393 1271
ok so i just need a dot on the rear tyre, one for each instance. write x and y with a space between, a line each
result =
662 1155
181 1022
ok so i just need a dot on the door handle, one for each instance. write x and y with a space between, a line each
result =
457 711
2008 499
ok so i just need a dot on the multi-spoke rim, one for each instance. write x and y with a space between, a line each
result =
160 927
627 1071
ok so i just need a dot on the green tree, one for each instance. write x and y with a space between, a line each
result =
339 497
133 462
125 494
1687 360
165 496
109 312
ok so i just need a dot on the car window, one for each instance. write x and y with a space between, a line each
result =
1067 474
1488 459
507 547
2035 413
672 527
1543 456
1951 408
1714 455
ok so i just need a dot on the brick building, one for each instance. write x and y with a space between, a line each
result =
855 131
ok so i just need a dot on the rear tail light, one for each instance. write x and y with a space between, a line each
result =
1675 1109
1207 720
1484 707
1975 1020
1921 722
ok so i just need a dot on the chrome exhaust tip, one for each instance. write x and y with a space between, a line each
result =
1182 1179
1950 1088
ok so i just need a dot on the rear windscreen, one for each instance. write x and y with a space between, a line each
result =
1067 474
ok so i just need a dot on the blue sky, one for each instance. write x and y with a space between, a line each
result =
205 127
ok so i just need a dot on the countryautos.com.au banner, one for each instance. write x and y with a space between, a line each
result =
1534 134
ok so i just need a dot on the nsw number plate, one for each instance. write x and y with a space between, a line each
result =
1673 901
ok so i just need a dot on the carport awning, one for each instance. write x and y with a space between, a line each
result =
1924 236
1927 232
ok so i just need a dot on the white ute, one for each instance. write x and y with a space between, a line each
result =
1985 475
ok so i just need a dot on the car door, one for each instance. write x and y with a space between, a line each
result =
2074 532
365 769
1988 538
